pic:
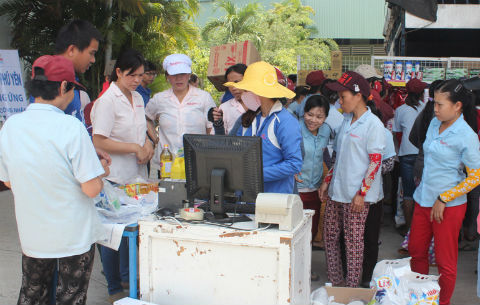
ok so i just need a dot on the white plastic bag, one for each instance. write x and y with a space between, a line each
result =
396 284
115 206
319 297
421 289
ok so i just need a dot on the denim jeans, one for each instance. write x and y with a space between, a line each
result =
115 266
406 172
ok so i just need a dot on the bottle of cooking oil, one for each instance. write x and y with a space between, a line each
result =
166 159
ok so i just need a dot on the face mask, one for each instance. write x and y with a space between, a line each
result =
251 100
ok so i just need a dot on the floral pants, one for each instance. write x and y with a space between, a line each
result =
339 218
73 277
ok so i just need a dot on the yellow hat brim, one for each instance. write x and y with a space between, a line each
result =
274 91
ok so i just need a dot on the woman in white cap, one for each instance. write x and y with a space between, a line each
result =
279 130
179 110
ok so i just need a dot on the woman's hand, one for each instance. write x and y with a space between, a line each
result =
437 211
145 153
217 114
322 192
358 204
141 153
150 149
105 165
298 179
103 155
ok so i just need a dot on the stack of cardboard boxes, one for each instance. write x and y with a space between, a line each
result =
334 73
224 56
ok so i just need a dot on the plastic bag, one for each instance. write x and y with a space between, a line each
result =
178 167
319 297
396 284
421 289
126 204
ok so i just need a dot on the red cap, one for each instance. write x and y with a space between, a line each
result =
315 78
56 69
416 86
290 84
351 81
282 80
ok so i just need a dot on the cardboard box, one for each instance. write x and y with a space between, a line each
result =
336 61
224 56
345 295
130 301
302 75
334 73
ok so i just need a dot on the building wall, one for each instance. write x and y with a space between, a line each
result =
337 19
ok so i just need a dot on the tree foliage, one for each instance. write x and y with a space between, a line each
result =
281 34
155 28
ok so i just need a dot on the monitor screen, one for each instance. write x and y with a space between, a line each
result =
235 163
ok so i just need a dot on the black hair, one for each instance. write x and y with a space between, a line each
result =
328 93
317 100
433 86
130 60
413 99
370 104
458 93
193 78
239 68
79 33
249 116
149 66
47 90
300 91
314 89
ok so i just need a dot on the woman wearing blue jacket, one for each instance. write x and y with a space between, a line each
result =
315 135
279 130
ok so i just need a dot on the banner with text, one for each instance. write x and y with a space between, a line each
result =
12 92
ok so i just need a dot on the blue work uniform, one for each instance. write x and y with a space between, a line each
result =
445 156
281 142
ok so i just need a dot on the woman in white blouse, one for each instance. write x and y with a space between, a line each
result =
120 128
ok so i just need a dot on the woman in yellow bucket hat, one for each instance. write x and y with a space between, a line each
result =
279 130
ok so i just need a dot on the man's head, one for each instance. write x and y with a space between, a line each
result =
78 41
149 74
53 79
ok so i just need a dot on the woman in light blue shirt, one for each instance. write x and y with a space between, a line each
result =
315 134
451 146
355 181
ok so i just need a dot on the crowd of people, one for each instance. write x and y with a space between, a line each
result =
333 142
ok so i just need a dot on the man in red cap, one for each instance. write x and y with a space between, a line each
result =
49 162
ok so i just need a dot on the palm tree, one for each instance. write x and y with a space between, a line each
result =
237 22
153 27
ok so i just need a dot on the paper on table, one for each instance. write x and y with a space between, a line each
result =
113 235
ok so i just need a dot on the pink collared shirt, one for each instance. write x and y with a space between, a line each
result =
114 117
232 110
176 119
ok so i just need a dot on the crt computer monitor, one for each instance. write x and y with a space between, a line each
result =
220 167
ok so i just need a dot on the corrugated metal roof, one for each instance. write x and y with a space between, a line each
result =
339 19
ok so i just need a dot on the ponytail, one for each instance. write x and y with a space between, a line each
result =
373 108
248 117
413 99
458 93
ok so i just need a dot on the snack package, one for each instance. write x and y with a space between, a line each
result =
421 289
386 279
396 284
127 203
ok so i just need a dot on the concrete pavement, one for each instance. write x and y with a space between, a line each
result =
10 263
